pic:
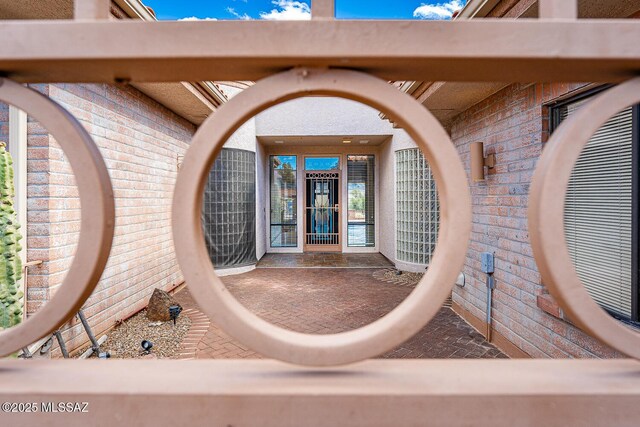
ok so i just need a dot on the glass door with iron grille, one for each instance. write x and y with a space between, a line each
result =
322 205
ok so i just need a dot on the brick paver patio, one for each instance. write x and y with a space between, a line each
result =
330 300
324 260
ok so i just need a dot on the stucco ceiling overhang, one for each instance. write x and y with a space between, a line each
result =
448 99
193 101
324 140
445 99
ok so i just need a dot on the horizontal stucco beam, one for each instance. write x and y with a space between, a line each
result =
482 50
374 392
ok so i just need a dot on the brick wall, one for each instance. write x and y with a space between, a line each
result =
140 141
37 208
4 123
513 125
38 213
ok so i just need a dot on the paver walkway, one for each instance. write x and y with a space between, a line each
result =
331 300
324 260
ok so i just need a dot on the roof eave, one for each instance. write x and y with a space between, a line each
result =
477 9
136 9
206 93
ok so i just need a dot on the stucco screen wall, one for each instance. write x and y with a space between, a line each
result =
140 141
513 124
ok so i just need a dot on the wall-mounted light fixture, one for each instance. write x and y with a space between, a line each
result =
479 161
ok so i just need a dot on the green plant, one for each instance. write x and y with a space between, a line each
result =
356 199
10 263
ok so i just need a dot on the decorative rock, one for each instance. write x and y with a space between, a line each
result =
158 309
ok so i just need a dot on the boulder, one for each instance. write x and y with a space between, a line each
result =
158 308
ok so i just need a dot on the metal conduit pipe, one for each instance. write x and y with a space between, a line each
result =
491 283
488 268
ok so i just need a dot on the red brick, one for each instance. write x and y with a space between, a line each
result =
513 123
139 140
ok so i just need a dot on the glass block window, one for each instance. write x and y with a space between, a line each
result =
284 201
229 209
361 200
417 208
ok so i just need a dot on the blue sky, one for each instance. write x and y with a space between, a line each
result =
292 9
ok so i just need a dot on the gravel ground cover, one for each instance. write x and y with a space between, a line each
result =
124 340
390 275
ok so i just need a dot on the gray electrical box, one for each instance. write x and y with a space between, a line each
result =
487 262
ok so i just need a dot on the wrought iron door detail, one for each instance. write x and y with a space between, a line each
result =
322 210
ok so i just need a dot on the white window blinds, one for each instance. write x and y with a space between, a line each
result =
598 212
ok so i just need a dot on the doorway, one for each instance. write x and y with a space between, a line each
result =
322 212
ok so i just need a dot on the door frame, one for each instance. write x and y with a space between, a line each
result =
323 151
321 248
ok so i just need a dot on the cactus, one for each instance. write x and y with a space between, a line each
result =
10 264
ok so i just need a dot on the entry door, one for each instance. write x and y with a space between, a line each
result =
322 212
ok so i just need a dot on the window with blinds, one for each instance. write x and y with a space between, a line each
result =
599 209
361 200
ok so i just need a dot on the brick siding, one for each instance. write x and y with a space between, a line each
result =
4 123
38 213
513 125
140 141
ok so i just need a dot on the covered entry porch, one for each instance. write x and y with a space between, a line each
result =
340 177
320 174
322 199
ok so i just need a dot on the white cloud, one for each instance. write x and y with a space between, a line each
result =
438 11
244 16
195 18
287 10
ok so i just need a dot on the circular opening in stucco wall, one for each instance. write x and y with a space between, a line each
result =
317 167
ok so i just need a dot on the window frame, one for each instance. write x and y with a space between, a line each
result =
321 156
554 122
271 225
365 223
